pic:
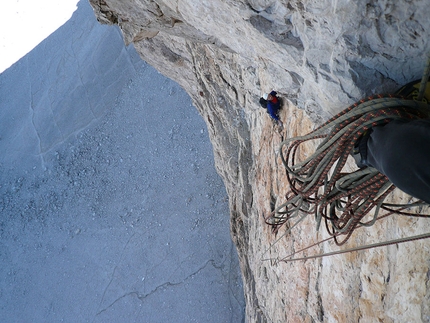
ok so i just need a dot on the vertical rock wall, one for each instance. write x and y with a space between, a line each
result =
320 55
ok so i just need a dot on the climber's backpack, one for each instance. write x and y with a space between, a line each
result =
263 103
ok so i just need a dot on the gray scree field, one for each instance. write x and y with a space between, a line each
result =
110 206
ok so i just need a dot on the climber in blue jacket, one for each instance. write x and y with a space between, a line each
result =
273 106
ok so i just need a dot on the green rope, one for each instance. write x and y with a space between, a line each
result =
317 183
369 246
424 80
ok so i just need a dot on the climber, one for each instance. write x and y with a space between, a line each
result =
399 150
273 106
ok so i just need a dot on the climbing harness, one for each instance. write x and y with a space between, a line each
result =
318 184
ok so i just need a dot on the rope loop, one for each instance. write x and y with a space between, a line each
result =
318 184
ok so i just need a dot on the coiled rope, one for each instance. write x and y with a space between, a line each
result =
318 184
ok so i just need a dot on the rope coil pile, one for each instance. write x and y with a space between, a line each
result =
319 185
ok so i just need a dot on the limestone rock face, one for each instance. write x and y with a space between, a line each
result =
321 56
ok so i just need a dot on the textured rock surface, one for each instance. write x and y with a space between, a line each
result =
320 56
